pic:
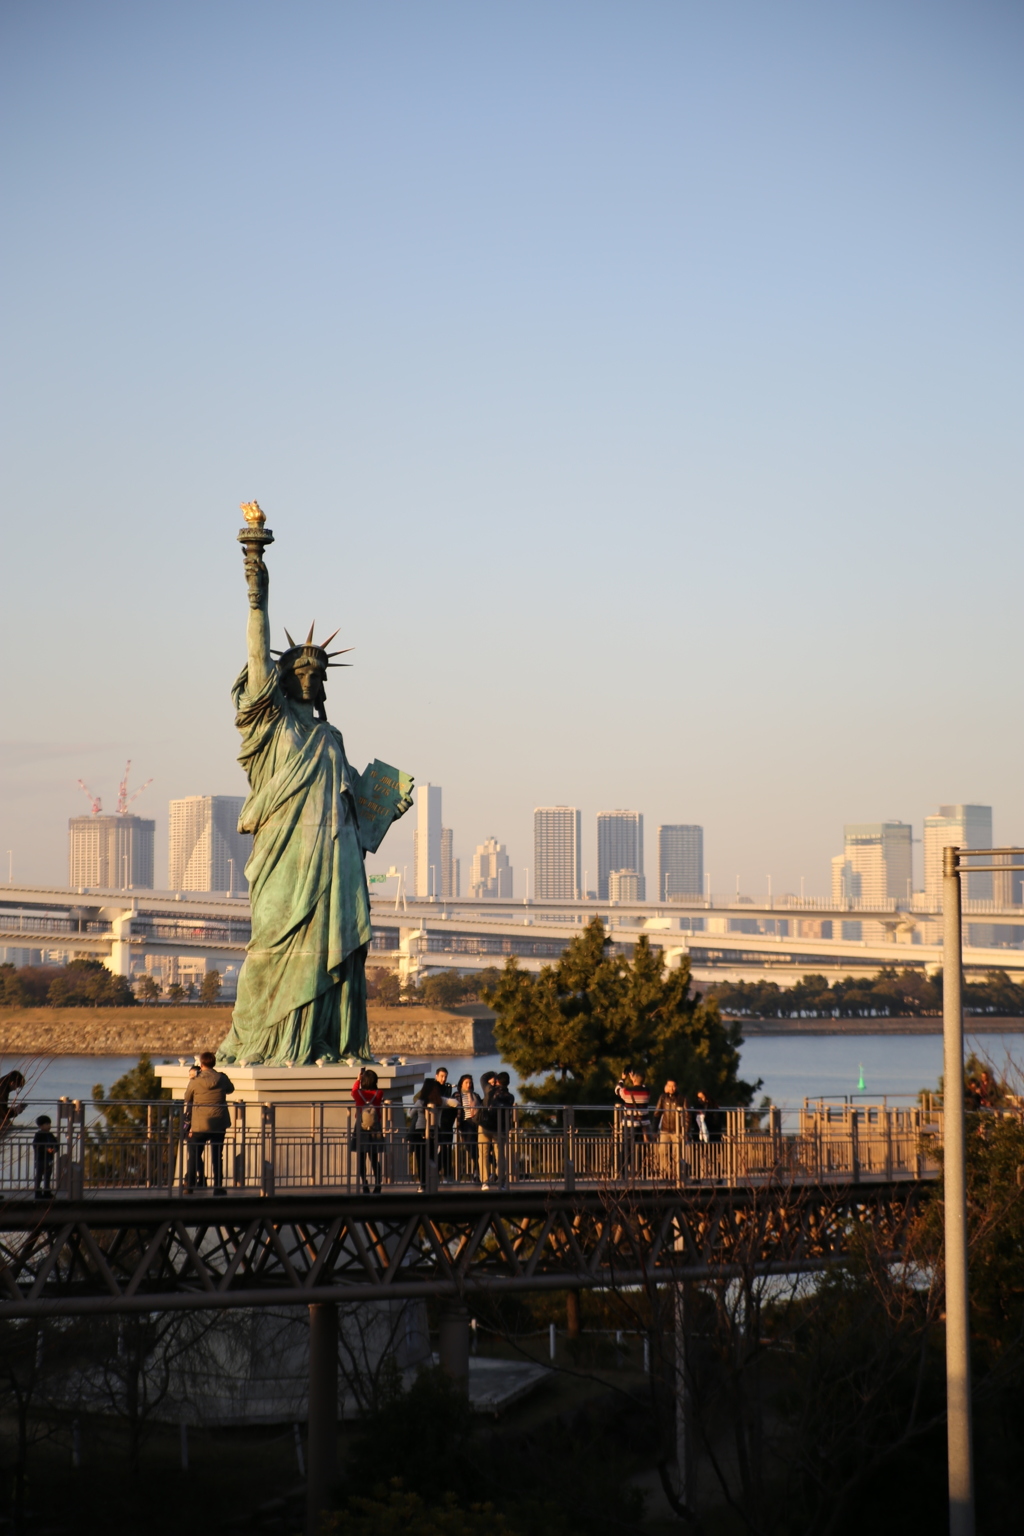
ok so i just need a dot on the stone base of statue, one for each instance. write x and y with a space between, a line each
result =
306 1096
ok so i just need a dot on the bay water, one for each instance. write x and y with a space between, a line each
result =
790 1067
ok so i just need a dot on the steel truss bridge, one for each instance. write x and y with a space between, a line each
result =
161 1253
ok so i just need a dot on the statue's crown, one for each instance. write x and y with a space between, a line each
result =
316 649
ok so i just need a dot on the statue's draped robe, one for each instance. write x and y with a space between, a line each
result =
302 989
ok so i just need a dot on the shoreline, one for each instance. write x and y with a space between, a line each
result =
974 1024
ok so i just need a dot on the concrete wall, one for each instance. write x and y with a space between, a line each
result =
182 1031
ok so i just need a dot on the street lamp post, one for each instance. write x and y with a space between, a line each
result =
958 1335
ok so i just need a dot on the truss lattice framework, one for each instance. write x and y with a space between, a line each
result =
160 1255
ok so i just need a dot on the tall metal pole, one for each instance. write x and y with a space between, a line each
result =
958 1334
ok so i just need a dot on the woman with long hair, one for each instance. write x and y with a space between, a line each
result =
424 1120
369 1130
468 1103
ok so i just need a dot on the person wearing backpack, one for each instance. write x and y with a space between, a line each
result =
369 1133
493 1124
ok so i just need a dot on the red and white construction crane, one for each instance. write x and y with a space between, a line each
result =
97 803
124 799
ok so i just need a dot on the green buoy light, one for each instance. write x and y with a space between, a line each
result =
861 1084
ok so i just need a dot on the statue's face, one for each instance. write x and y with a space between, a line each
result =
303 681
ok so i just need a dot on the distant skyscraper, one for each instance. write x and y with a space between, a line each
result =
428 840
876 862
449 866
114 853
625 885
492 872
620 845
1008 884
962 826
437 872
206 851
680 861
556 853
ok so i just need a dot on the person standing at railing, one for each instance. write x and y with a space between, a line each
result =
186 1122
446 1126
670 1118
44 1153
468 1103
633 1095
207 1094
709 1118
494 1122
424 1119
368 1136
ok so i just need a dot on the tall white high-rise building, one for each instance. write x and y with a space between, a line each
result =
492 872
876 862
620 846
556 853
113 853
680 861
206 851
960 826
437 870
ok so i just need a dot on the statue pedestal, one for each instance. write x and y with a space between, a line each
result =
293 1090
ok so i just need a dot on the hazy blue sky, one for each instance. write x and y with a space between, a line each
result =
637 385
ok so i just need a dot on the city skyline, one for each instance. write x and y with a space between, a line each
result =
866 870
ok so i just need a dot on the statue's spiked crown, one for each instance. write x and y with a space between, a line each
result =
317 651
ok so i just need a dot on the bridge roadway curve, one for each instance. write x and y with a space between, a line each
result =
155 1253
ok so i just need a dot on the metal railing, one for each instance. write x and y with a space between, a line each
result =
322 1145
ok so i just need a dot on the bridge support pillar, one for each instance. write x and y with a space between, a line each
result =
684 1303
322 1446
453 1342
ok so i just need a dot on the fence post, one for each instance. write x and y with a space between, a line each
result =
238 1145
175 1143
64 1140
569 1139
888 1144
854 1148
268 1148
504 1137
77 1159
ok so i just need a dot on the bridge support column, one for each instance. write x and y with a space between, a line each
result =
453 1342
322 1444
684 1460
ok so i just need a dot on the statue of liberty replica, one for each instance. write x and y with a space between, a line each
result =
302 989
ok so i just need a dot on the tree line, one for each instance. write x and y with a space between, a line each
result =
87 983
445 989
891 994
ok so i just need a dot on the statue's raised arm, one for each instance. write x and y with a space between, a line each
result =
254 538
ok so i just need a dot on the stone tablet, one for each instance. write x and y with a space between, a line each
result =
379 789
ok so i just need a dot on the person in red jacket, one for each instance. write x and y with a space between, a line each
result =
368 1136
